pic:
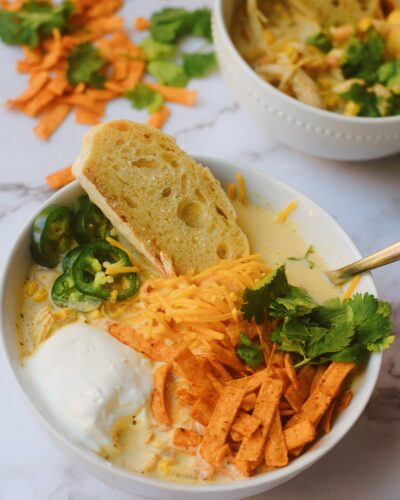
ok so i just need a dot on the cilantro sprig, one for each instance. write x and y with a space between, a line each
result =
169 24
85 64
33 22
321 41
143 97
249 352
333 331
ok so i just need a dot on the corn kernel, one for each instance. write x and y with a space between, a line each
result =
351 109
40 295
331 100
394 17
269 37
30 288
94 314
393 42
364 24
291 52
164 465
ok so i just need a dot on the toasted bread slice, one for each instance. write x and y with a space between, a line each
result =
165 204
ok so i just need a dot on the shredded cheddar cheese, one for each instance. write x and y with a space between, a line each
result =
231 191
117 244
353 285
242 189
284 214
112 271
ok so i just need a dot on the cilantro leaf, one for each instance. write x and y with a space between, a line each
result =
368 101
168 24
321 41
168 73
355 353
389 74
256 300
84 65
249 352
197 64
143 97
200 24
156 50
362 60
394 105
297 302
33 22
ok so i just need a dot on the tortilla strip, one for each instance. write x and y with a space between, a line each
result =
158 401
245 424
201 412
59 84
225 357
326 420
221 420
296 397
317 377
51 119
185 397
275 447
249 401
54 53
267 403
299 435
322 396
255 381
39 101
155 350
344 401
186 438
190 368
236 436
290 371
36 83
221 370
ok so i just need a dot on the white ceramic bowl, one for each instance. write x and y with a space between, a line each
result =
303 127
316 226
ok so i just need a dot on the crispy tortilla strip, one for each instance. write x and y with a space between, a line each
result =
60 178
275 447
159 117
226 357
59 84
39 101
51 119
221 370
249 401
323 394
244 467
267 403
236 436
177 95
36 83
191 369
296 397
158 399
186 438
317 378
299 435
135 73
344 401
155 350
185 397
221 420
245 424
276 359
290 371
208 369
54 53
255 381
326 420
201 412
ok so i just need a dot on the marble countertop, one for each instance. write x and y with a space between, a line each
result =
363 197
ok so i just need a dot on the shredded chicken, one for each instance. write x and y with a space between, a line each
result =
305 89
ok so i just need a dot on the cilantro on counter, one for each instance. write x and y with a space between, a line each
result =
249 352
156 50
33 22
333 331
84 65
198 64
321 41
362 59
168 73
367 101
169 24
143 97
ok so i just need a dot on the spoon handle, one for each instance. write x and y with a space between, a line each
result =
385 256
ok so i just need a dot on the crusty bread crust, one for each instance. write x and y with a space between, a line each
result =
164 203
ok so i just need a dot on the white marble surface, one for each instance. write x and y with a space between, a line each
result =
363 197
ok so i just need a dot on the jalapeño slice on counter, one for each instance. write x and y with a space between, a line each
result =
65 294
89 271
89 221
51 235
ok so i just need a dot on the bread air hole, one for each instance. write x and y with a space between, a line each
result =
222 251
191 213
143 163
130 202
166 192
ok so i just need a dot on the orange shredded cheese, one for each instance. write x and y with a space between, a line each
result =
242 189
353 285
117 244
231 191
283 215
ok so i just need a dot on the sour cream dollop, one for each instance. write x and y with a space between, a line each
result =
86 380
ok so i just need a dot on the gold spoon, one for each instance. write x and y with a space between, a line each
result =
385 256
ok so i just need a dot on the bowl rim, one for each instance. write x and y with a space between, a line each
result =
219 23
90 459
